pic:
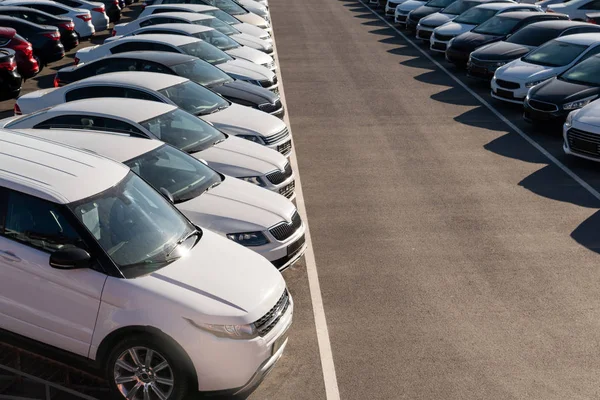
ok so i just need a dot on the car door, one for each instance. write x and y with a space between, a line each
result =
56 307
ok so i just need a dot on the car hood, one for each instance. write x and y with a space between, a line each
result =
469 41
247 92
252 41
255 8
252 30
521 71
237 206
246 70
218 282
410 5
253 19
453 28
241 120
241 158
501 51
250 54
588 115
422 12
436 19
557 91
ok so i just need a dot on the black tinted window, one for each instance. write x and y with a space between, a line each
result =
47 8
94 91
131 46
113 65
532 36
152 67
69 3
89 122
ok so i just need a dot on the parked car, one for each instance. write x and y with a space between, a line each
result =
581 132
427 24
493 30
65 25
575 9
545 3
403 9
593 18
113 10
112 249
470 19
27 64
81 18
259 219
233 119
390 7
44 39
240 26
10 79
512 81
229 6
551 101
195 21
239 69
226 154
97 10
415 16
189 67
484 61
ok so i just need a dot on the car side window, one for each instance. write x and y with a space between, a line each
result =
138 94
35 17
115 65
162 10
152 67
48 8
155 21
69 3
38 223
94 91
90 122
591 52
162 47
131 46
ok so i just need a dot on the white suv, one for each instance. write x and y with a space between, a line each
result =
95 262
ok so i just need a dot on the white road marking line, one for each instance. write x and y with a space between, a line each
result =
512 126
327 365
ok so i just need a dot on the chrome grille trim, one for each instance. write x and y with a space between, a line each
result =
277 177
277 137
284 230
267 322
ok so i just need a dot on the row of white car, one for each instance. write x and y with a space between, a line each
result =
144 222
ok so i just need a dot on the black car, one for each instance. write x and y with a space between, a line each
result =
553 100
45 39
10 80
495 29
484 61
65 25
113 10
183 65
431 7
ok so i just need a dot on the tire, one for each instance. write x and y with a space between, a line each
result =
174 379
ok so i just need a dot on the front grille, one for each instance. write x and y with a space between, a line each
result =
401 18
285 148
288 190
277 137
284 230
270 108
293 252
583 142
438 46
269 65
507 84
280 176
421 34
443 38
267 322
542 106
268 83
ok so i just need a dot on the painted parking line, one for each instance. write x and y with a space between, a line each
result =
327 365
497 113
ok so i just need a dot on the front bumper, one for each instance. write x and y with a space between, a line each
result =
576 149
556 117
436 45
456 57
515 96
424 33
411 24
400 18
481 69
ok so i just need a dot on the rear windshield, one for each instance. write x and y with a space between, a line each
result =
459 7
533 36
475 16
206 52
497 26
555 54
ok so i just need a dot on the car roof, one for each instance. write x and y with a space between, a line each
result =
163 57
520 14
106 144
175 40
46 2
125 108
53 172
148 80
558 25
488 1
585 39
502 6
175 27
192 7
189 16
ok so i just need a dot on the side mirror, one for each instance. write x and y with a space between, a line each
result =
167 194
70 258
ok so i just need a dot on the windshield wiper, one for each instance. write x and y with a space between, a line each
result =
183 239
216 142
214 185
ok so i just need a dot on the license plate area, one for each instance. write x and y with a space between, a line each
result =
296 246
505 93
585 146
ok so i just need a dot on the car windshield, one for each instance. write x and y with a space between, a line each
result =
439 3
585 73
533 36
223 16
229 6
173 171
206 52
497 26
184 131
136 226
459 7
202 73
217 39
195 99
555 54
475 16
218 25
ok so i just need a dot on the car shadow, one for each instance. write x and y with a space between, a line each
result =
514 146
586 234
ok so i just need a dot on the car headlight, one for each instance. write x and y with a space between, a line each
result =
227 331
533 83
579 103
252 138
249 238
253 179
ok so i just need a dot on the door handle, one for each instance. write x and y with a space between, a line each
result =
10 256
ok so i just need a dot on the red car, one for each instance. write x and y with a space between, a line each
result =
26 63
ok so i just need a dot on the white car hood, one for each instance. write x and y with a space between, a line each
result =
588 116
410 5
252 55
453 28
218 281
240 158
253 19
252 30
437 19
252 41
254 7
522 72
246 70
242 120
238 206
